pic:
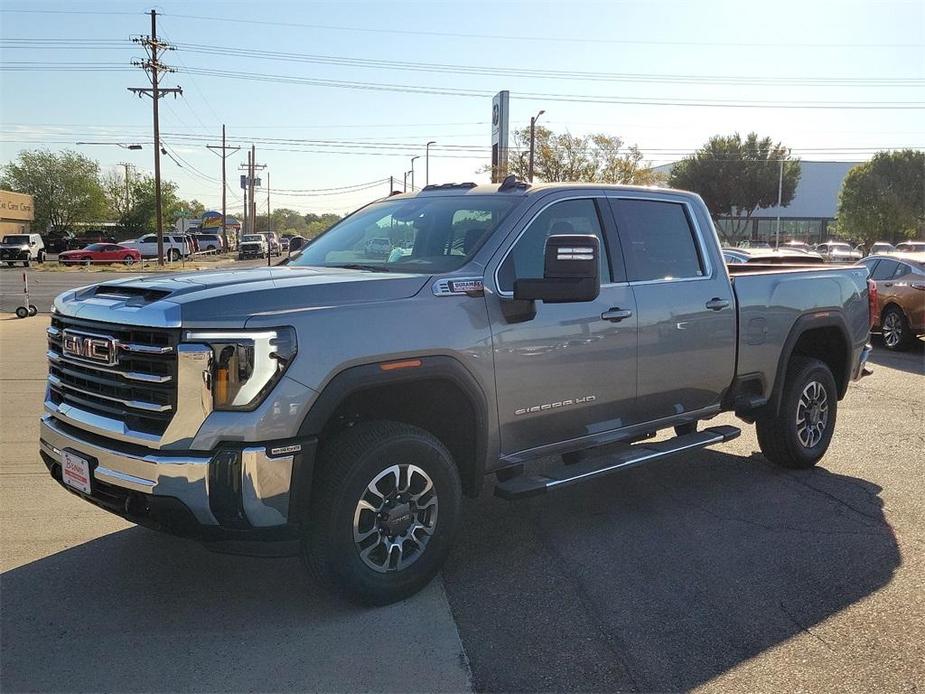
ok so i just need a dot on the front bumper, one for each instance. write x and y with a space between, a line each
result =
249 492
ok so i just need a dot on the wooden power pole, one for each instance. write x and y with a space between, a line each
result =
226 152
153 66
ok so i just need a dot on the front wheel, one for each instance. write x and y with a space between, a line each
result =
799 435
384 512
129 260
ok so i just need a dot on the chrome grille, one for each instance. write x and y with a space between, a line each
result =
139 388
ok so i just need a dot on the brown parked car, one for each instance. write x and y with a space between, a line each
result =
900 280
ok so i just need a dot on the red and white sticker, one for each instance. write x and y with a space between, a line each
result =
75 471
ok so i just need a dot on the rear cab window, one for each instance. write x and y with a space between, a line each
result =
658 240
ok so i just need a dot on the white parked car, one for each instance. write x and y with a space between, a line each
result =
838 252
175 246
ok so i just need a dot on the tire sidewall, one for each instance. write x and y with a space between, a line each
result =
349 570
813 371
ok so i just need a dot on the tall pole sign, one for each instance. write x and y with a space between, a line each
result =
499 135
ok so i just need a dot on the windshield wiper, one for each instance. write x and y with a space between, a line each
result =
360 266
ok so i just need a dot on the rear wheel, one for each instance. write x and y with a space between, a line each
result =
384 511
129 260
799 435
173 255
87 262
897 335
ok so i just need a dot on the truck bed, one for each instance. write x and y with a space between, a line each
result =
772 298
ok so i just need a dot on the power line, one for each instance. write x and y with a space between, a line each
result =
541 73
572 98
545 39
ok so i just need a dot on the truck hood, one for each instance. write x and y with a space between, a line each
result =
228 299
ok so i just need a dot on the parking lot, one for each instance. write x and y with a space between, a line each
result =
713 571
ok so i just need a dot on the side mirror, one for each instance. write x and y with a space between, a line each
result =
571 271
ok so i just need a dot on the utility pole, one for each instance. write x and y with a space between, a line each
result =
154 67
128 196
533 120
391 184
269 229
405 183
226 152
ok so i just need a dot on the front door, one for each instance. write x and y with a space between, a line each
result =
565 371
687 315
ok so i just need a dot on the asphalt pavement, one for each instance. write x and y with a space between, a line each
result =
714 571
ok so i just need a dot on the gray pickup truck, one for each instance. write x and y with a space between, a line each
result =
343 405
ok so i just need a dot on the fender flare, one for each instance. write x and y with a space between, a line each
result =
828 318
356 379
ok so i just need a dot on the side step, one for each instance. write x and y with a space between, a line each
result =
530 485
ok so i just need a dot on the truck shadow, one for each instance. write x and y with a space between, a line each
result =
140 611
663 577
910 361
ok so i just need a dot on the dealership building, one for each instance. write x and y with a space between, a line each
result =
810 214
16 213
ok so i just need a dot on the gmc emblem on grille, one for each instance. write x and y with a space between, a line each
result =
90 347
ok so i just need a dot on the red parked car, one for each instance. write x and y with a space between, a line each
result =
100 253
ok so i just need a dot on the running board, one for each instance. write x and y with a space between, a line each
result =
523 486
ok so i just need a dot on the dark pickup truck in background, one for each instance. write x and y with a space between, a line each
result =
347 402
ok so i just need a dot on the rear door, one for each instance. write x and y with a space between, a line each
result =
566 371
684 300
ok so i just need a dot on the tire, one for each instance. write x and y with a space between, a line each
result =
129 260
340 527
173 255
895 330
809 395
41 257
33 310
21 312
86 262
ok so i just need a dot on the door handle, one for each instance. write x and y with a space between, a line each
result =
616 314
887 284
717 304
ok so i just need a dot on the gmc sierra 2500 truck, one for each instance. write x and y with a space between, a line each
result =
345 404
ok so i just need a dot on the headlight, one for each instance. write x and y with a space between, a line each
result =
245 365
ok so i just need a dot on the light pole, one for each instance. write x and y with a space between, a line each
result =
427 162
533 121
780 197
113 144
417 156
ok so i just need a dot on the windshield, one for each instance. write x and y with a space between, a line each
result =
17 240
255 237
424 235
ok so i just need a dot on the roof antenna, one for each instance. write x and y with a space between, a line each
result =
510 182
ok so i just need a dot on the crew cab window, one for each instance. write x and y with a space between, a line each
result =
885 269
527 258
148 239
658 241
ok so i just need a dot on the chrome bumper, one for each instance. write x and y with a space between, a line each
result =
263 485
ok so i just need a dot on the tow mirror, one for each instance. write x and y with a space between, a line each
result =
571 271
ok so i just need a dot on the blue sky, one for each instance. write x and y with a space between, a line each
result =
799 52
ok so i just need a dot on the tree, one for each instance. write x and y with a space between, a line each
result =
319 223
884 199
65 185
596 158
118 195
141 218
737 177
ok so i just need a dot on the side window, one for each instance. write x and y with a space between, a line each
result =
901 270
658 241
526 260
148 239
870 263
884 270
